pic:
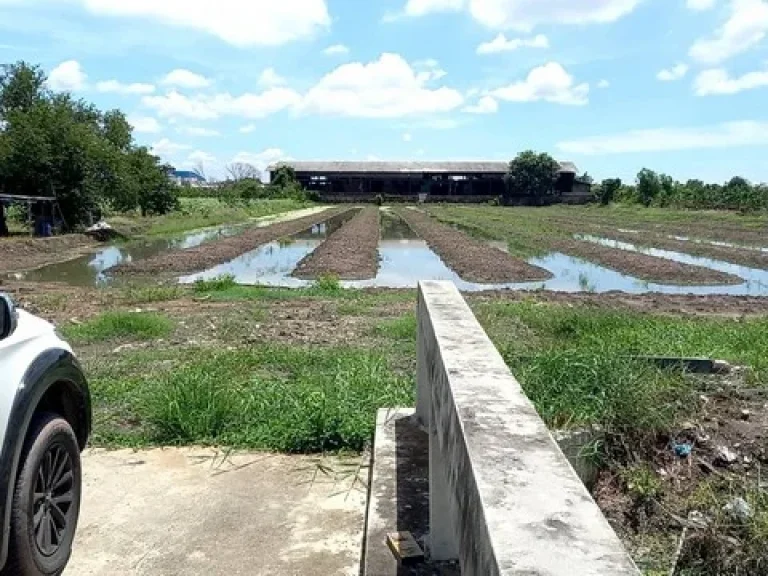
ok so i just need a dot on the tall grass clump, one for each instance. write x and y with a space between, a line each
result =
120 325
327 283
290 400
217 284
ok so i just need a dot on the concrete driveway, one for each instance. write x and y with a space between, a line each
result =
200 511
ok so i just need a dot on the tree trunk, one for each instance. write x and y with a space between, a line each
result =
3 225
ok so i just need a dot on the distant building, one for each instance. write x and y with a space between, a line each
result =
188 178
425 181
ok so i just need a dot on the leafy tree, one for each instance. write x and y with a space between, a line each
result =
648 186
56 146
533 175
608 189
283 177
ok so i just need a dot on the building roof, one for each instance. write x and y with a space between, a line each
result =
187 175
490 167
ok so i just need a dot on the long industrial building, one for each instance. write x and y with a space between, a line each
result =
425 181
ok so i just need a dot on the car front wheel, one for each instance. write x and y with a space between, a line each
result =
46 501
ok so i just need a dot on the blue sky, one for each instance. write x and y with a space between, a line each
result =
679 86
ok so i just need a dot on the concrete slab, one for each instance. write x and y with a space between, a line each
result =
201 511
399 494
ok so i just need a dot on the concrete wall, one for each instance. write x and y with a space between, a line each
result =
503 498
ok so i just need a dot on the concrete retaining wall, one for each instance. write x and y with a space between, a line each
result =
503 498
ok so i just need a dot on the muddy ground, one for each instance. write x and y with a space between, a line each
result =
470 258
217 252
644 267
350 253
20 253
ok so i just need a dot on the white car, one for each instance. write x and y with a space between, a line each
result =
45 421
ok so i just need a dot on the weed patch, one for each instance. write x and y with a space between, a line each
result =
120 325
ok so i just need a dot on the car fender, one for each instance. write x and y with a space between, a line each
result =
50 367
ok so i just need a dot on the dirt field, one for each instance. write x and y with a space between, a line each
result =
216 252
24 253
644 267
473 260
350 253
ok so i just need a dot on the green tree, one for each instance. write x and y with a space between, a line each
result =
532 175
21 87
648 186
283 177
608 189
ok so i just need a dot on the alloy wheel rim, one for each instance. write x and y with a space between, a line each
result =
52 500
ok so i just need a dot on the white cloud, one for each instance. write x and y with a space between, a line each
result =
238 22
67 77
144 124
550 82
486 105
603 83
726 135
701 5
269 77
199 131
407 137
718 81
385 88
674 73
200 157
746 26
165 148
119 88
248 128
336 49
502 44
185 79
525 15
261 159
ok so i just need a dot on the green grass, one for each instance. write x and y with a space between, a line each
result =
120 325
218 284
268 397
149 294
203 212
399 329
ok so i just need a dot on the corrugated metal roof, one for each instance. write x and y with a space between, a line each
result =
490 167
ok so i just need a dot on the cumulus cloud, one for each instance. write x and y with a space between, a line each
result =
524 15
388 87
233 21
336 49
603 83
199 131
486 105
67 77
726 135
407 137
550 82
503 44
718 81
674 73
248 128
185 79
117 87
745 27
385 88
263 159
145 124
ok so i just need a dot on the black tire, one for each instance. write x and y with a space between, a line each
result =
46 501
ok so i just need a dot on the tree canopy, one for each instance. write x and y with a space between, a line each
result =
54 145
533 175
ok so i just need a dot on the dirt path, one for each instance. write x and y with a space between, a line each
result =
644 267
25 253
217 252
351 253
472 259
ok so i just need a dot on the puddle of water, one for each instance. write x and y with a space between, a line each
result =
755 280
272 264
406 259
719 243
89 270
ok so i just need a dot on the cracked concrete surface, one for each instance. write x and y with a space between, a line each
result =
202 511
